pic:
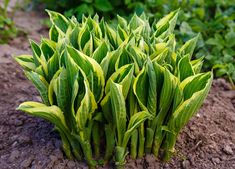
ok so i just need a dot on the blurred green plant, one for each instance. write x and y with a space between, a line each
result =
106 8
7 26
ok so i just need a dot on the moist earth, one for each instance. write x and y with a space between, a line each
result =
207 142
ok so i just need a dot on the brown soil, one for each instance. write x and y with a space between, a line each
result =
207 142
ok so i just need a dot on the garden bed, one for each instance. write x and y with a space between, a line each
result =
208 141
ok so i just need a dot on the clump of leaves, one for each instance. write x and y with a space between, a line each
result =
214 19
7 26
126 83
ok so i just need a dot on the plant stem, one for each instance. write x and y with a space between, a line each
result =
110 142
157 141
96 139
120 154
141 141
149 140
168 145
134 143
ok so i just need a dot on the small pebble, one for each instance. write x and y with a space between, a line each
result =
18 122
71 164
186 164
59 166
26 163
53 158
24 139
14 144
228 150
58 153
14 155
215 160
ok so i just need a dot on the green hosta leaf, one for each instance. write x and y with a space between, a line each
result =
192 101
143 46
145 88
122 35
122 76
63 93
185 68
102 27
167 22
73 37
36 53
96 28
40 83
197 65
72 69
160 59
53 65
159 71
108 63
92 70
97 42
167 92
58 20
26 61
118 109
166 98
47 48
73 72
51 93
137 55
135 121
124 59
50 113
171 44
132 104
152 89
165 102
122 22
194 83
53 34
112 36
88 48
135 22
189 47
87 107
140 87
178 96
101 51
39 59
83 36
160 47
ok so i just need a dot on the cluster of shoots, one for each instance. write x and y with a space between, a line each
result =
115 90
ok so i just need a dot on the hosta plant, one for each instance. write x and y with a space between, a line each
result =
114 90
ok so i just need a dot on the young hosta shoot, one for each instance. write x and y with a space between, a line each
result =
114 90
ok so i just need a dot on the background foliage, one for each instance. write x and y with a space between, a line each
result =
7 27
214 19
